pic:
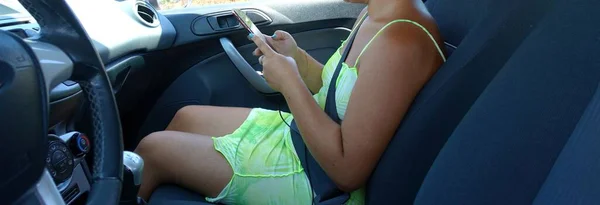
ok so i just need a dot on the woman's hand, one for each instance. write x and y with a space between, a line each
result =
308 68
282 42
279 70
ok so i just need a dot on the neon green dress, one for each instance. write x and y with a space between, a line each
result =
261 153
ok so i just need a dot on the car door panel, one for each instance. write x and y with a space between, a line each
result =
318 26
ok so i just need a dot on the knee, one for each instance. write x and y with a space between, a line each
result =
150 144
184 116
152 175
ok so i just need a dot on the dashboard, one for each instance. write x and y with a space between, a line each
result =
121 31
121 27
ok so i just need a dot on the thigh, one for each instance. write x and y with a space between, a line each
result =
208 120
186 159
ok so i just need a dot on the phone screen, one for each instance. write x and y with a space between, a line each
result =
247 23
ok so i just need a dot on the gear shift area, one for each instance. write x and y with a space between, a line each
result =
133 165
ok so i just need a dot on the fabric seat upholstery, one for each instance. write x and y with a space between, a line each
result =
535 111
446 98
175 195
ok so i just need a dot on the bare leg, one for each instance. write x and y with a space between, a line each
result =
208 120
186 159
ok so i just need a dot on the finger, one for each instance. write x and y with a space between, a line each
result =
270 40
280 35
264 48
257 52
260 60
266 36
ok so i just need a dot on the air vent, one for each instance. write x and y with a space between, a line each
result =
70 194
146 14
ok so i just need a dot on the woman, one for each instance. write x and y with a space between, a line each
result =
251 158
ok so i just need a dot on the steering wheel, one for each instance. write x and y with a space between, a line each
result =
29 69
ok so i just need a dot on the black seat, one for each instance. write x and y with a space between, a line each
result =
174 195
495 30
532 137
456 18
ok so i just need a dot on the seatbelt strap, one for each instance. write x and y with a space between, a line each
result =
330 105
326 191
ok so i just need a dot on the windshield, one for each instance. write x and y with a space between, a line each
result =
11 8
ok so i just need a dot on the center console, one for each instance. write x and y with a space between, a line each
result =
66 164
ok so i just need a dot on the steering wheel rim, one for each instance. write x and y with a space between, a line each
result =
61 28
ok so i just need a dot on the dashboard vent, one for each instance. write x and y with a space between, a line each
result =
70 194
146 14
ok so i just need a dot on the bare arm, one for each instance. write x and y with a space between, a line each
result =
392 72
310 70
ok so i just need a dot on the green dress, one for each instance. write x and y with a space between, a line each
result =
261 153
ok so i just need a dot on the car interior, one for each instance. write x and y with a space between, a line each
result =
512 117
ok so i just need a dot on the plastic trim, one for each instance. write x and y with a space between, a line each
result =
115 29
46 190
119 71
63 91
246 69
56 65
79 180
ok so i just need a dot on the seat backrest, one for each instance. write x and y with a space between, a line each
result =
445 99
536 110
456 18
574 178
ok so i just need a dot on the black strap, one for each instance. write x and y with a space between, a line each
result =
326 191
330 105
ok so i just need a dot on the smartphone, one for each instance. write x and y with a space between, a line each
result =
247 23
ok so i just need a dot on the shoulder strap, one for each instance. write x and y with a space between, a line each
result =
405 21
330 106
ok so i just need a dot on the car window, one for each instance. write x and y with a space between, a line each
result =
176 4
11 13
11 7
5 10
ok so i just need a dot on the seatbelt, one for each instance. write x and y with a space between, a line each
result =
330 105
326 191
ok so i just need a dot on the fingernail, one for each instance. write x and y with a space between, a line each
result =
250 36
274 36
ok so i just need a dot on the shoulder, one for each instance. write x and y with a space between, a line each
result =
405 37
409 34
403 42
